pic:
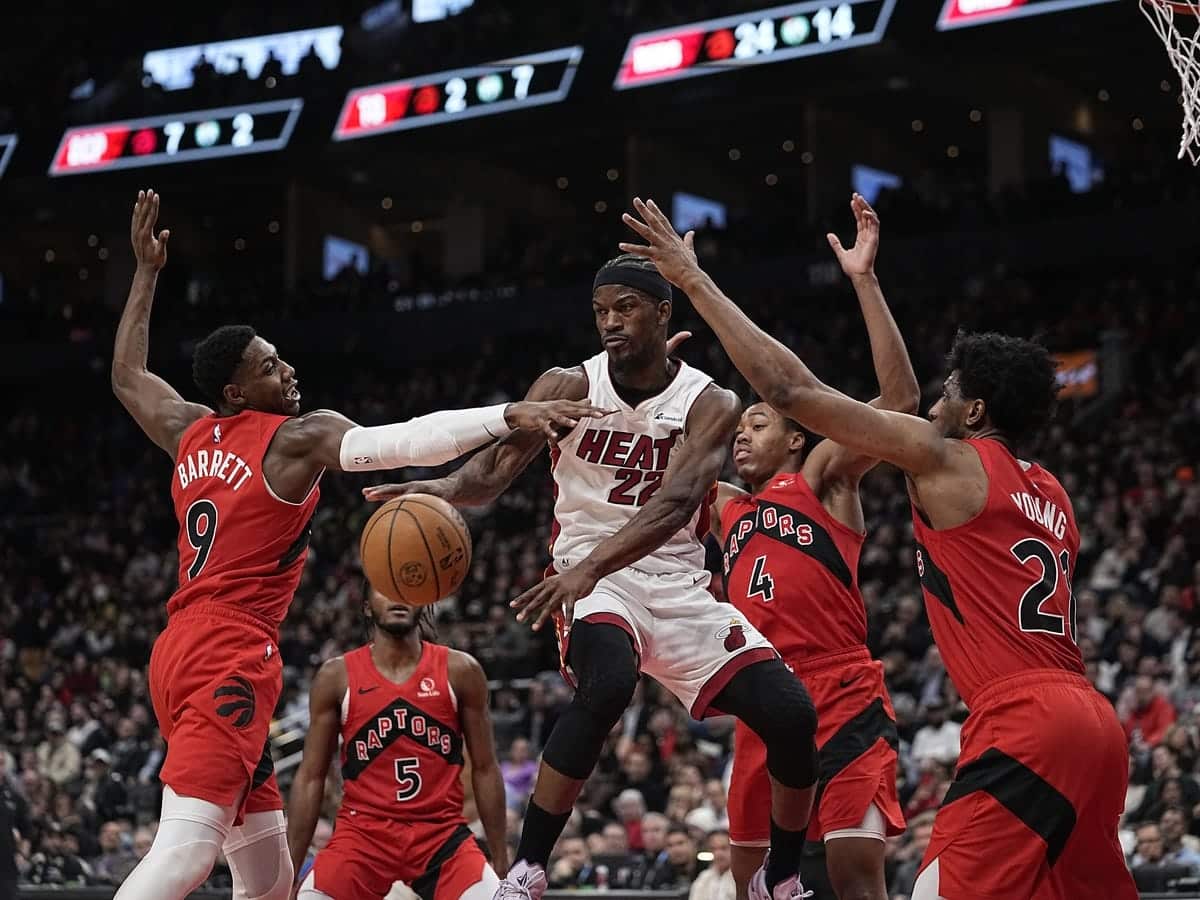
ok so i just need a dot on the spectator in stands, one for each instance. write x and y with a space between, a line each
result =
938 740
1150 848
1179 847
654 837
638 775
102 791
116 853
907 857
630 808
1151 715
54 864
573 868
715 882
675 869
57 758
519 771
143 838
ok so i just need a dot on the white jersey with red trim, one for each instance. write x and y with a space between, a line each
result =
606 470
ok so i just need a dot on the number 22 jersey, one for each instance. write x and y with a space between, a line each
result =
998 587
239 543
606 470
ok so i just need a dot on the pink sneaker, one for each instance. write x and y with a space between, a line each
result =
788 889
523 882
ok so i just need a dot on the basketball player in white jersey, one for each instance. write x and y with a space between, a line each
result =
627 585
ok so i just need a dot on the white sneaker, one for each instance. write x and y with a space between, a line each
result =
788 889
523 882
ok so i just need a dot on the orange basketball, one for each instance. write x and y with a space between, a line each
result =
416 549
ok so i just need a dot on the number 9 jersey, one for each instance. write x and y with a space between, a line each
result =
607 469
239 543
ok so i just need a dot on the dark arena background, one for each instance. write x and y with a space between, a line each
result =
410 199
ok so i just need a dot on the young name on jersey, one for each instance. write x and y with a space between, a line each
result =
396 720
221 464
1041 512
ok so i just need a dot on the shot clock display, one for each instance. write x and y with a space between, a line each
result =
964 13
208 133
458 94
8 143
770 35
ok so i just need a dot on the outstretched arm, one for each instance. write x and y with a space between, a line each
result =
308 787
690 476
775 372
489 473
832 462
470 686
156 406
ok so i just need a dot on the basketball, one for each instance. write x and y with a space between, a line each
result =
415 549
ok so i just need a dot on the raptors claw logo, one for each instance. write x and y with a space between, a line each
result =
240 705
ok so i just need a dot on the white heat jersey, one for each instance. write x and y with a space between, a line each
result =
606 469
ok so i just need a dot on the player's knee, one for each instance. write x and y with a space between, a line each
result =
773 704
180 869
605 666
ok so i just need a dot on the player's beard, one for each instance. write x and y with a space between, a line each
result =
395 629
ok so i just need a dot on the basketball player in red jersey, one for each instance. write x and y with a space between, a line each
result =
245 485
404 708
1042 775
791 565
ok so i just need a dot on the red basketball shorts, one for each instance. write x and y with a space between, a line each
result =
856 736
367 855
1034 806
215 677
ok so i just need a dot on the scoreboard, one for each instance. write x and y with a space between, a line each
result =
753 38
484 90
8 143
965 13
204 134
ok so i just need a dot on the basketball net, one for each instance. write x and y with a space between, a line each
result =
1177 23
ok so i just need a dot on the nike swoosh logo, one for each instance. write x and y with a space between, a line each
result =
368 690
846 682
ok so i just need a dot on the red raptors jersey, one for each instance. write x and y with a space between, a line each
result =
998 588
238 542
792 569
402 744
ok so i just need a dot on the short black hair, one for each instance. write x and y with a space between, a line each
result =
217 357
1013 376
630 261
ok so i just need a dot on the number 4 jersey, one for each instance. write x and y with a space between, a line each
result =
239 543
998 587
606 469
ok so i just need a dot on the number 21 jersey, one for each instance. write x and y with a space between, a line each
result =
998 587
607 469
239 543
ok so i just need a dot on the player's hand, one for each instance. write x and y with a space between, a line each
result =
859 259
671 254
675 340
379 492
555 593
151 251
551 417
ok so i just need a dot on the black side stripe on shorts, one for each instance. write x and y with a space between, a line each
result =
848 743
1023 792
425 886
265 768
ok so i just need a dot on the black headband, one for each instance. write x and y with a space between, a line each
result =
643 279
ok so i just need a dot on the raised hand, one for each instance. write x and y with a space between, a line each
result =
671 254
151 251
551 417
859 259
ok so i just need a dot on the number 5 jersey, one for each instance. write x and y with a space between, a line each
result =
239 543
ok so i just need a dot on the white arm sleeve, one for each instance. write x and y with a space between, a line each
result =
424 441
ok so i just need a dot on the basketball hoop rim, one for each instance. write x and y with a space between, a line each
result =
1185 9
